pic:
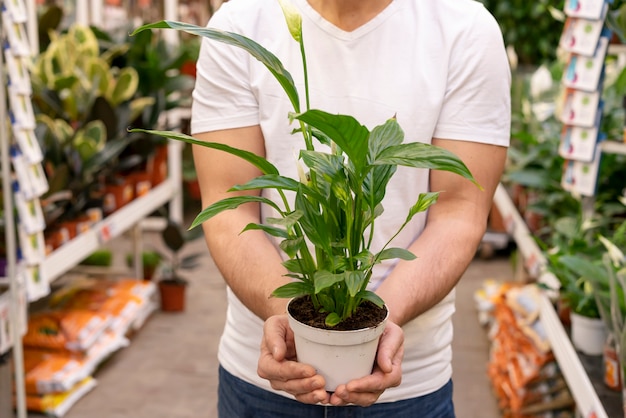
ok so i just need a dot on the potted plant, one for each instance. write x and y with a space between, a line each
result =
150 260
326 217
172 284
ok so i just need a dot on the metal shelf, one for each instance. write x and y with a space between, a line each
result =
73 252
613 147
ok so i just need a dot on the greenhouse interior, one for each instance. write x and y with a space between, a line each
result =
129 126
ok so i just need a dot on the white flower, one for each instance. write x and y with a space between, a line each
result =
616 255
540 82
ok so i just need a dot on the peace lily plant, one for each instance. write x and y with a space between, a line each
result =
327 230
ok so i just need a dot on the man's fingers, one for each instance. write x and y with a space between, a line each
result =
276 333
269 368
390 348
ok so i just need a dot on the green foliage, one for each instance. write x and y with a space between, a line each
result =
529 26
102 257
324 231
175 238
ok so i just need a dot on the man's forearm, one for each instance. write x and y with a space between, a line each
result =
249 263
443 250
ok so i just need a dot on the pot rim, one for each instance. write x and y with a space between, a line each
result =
382 323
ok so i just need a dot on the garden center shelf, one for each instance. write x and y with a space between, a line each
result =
84 244
578 380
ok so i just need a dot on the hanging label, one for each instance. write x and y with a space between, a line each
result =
22 115
578 143
581 177
16 35
584 73
588 9
17 10
18 75
27 141
581 36
580 108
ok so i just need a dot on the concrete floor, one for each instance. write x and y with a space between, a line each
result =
170 368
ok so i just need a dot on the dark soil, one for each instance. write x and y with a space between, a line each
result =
367 315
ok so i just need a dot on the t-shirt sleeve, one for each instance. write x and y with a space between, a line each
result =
222 97
477 100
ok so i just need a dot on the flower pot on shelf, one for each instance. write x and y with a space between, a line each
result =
172 294
118 193
588 334
157 165
339 356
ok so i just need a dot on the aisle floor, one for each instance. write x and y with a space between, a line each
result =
170 368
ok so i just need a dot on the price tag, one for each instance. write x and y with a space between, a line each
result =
105 233
588 9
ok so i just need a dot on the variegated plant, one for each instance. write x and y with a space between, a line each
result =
337 203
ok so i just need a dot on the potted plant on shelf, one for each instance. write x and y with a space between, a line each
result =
324 219
150 260
172 285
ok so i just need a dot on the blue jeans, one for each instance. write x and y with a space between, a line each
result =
239 399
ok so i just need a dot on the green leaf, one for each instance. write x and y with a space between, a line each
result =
419 155
125 87
585 268
291 246
384 136
293 266
228 204
313 224
268 181
271 230
344 130
424 201
111 150
259 162
293 290
332 319
286 221
372 297
354 281
268 59
392 253
375 183
328 165
324 279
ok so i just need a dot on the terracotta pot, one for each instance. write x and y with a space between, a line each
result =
339 356
117 195
157 165
141 183
172 296
193 188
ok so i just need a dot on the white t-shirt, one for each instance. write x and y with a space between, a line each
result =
439 66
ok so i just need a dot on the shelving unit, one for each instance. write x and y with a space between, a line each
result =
580 385
122 220
128 218
587 399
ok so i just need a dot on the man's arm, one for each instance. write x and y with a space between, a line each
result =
248 261
453 231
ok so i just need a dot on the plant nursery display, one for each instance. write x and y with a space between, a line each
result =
172 284
326 218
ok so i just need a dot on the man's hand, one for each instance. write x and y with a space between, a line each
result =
387 372
278 364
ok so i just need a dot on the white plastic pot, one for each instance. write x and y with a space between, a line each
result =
588 334
339 356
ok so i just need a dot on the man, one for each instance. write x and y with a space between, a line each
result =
441 68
